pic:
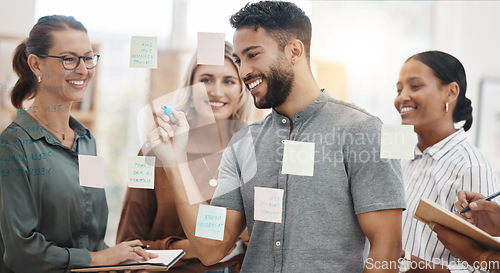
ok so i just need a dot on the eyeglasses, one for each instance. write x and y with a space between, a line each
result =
72 61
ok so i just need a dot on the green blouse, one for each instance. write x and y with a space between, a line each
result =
48 222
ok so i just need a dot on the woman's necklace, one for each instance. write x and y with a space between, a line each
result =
213 181
48 126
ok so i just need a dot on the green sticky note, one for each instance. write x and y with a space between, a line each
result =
144 52
210 222
141 172
397 141
298 158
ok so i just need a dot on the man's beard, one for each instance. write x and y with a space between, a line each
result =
279 84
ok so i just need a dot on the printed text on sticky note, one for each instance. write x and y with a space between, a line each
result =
210 222
91 170
210 48
268 204
144 52
141 172
397 141
298 158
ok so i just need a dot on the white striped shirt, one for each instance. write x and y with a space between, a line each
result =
438 173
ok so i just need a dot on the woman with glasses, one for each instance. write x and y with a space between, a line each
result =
48 222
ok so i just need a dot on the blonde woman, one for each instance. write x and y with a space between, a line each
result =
150 215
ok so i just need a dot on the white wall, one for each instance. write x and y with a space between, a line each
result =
16 17
373 39
470 30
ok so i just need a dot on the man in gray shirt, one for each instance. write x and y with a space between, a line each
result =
317 158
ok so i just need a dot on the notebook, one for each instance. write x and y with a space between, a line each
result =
165 260
428 211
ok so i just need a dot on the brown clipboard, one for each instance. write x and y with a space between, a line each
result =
428 211
134 266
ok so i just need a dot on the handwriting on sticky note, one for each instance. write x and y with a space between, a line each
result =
397 141
210 48
210 222
91 170
268 204
141 172
298 158
144 52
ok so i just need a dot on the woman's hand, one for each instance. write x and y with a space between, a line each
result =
484 214
130 250
169 140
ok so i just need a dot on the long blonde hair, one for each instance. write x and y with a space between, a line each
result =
184 99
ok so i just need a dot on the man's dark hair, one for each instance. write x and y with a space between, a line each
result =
284 21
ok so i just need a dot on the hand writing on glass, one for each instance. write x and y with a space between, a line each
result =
169 140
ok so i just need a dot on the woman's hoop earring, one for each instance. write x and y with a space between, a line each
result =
39 79
446 107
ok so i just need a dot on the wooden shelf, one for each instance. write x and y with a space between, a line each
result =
84 116
6 111
11 37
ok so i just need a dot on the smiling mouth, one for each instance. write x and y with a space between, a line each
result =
406 109
77 83
255 83
216 103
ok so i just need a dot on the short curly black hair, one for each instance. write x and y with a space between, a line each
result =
284 21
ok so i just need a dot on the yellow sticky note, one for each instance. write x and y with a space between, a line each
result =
144 52
397 141
141 172
91 170
298 158
210 48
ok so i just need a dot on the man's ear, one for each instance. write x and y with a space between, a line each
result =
35 64
296 49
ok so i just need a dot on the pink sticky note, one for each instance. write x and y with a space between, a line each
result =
268 204
91 170
210 48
